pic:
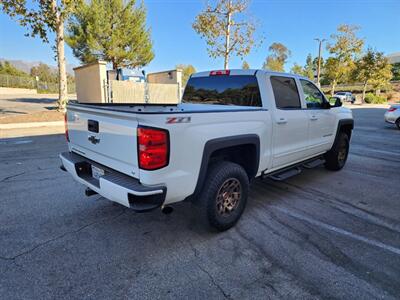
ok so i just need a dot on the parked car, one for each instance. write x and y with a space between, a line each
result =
232 126
345 97
392 115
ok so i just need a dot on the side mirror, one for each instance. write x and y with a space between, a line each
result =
336 100
326 105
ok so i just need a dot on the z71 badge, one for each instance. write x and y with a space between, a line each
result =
175 120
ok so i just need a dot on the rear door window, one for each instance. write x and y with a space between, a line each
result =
242 90
285 92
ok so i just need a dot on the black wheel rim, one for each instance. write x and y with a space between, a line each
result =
228 196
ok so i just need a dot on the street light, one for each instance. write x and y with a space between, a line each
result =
320 41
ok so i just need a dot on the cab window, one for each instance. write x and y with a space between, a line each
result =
241 90
285 92
312 95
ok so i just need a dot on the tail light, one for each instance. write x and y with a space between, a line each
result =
220 72
66 127
153 148
392 109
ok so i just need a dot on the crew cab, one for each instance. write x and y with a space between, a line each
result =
230 127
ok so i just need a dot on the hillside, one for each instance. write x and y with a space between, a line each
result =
26 66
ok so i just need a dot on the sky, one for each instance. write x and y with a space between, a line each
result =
295 23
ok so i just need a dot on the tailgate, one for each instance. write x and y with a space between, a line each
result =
105 137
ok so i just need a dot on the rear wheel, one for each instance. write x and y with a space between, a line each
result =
336 158
224 195
398 123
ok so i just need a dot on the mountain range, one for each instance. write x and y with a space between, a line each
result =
26 66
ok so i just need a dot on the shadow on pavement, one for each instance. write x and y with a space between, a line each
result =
7 111
33 100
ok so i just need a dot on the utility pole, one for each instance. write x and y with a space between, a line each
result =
320 41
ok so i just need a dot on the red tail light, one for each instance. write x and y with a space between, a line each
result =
220 72
66 126
392 109
153 148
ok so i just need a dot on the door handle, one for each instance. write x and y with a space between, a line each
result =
282 121
313 118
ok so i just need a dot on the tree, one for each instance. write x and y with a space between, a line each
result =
330 72
110 30
225 30
373 68
396 71
309 68
187 70
297 69
42 17
278 57
8 69
44 73
245 65
345 50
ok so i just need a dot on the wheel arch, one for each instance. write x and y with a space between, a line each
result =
230 149
346 126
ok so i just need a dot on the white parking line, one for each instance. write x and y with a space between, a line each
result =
339 230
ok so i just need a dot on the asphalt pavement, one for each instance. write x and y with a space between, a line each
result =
320 234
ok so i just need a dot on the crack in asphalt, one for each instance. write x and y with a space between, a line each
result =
11 176
331 253
336 256
363 214
303 283
13 258
212 279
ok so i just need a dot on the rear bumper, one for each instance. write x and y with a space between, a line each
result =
114 185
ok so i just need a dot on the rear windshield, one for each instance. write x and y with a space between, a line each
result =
239 90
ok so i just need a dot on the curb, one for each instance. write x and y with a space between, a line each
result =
31 125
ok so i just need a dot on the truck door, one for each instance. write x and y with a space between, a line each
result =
321 118
290 123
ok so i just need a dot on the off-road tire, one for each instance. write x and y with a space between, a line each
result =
220 177
336 158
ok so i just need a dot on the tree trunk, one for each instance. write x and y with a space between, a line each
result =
62 72
333 88
363 92
227 36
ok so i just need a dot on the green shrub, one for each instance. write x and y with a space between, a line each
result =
374 99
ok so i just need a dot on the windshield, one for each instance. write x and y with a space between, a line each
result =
239 90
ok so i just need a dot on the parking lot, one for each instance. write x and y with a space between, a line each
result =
321 234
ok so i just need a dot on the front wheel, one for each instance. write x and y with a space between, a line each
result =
336 158
398 123
224 195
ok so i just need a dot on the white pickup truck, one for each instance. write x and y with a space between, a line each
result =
231 127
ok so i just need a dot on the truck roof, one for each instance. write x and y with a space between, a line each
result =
246 72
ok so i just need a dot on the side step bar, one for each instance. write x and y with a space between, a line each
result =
293 170
314 163
285 174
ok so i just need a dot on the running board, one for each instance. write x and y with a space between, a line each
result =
314 163
293 170
285 174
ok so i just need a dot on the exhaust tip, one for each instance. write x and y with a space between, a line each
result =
167 210
89 192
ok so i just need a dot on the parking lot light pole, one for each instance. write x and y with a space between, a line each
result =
320 41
